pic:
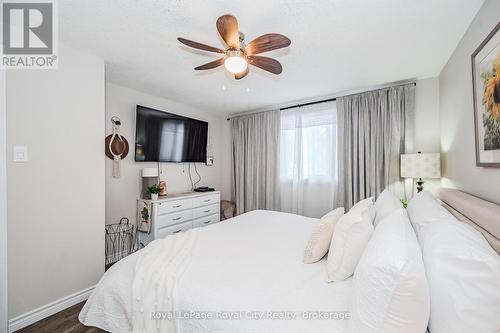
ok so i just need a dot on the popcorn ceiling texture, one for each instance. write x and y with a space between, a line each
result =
337 45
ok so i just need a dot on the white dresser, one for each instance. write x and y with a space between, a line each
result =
180 212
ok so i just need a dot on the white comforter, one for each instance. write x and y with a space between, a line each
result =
241 275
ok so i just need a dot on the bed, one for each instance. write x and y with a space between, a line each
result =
247 266
246 275
482 215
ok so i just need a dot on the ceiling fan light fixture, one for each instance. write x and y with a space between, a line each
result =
235 61
238 56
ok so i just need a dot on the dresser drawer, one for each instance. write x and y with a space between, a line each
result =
166 220
174 206
204 221
205 211
205 200
175 229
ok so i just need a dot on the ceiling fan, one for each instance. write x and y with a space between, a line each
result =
237 55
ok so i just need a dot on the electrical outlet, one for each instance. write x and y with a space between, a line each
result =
20 154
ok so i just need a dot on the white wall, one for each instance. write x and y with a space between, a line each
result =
121 193
427 122
56 200
457 113
3 208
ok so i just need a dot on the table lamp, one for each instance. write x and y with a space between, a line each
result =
421 166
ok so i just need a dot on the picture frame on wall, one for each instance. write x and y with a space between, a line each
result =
486 92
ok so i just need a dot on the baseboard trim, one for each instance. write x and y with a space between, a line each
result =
48 310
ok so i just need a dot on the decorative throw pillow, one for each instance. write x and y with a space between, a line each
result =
364 204
389 287
321 236
424 209
463 272
351 234
386 204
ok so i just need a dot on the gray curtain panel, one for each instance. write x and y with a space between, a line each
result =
373 132
255 161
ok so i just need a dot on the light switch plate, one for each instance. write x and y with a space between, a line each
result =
20 154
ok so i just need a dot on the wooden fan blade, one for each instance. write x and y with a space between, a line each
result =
199 46
267 64
266 43
239 76
227 25
210 65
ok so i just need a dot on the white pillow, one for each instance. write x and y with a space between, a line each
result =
389 290
386 204
362 205
464 278
424 209
321 236
351 234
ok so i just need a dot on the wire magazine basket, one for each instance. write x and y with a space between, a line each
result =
120 241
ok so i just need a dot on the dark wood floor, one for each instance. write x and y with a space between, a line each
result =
62 322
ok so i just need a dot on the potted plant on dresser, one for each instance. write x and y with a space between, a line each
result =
154 191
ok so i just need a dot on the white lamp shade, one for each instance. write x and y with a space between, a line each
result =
425 166
150 172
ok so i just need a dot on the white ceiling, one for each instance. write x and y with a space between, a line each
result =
337 45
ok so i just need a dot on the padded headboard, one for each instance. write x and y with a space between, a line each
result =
481 214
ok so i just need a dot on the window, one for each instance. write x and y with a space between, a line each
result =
308 150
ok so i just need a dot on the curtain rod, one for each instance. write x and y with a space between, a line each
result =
310 103
320 101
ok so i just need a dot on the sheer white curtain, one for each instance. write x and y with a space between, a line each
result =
308 159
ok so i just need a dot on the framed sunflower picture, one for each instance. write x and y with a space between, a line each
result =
486 90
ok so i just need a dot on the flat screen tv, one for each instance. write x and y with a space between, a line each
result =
166 137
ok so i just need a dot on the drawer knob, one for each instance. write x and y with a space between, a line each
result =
207 200
177 206
207 222
207 211
177 218
175 232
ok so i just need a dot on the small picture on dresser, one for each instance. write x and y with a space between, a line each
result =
486 90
